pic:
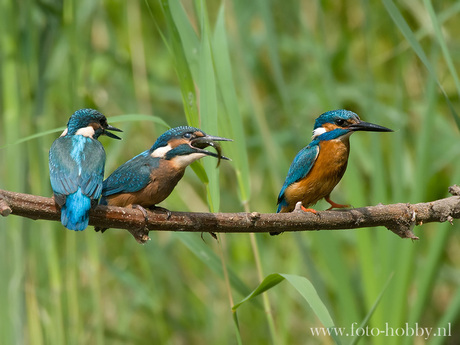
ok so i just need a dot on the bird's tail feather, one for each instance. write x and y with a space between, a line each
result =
75 211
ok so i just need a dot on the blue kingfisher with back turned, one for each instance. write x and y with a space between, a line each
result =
76 163
318 167
149 178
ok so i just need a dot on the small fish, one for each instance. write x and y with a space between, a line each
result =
203 142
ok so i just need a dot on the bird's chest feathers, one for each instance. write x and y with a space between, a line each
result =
328 169
162 182
332 158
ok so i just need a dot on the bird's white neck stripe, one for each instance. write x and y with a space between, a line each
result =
185 160
161 151
86 131
318 131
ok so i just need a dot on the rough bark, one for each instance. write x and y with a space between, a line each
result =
398 218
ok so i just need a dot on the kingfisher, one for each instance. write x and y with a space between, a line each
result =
319 166
76 163
149 178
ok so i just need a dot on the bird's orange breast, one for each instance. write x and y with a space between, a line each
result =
326 172
162 182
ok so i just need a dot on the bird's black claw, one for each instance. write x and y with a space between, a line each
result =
98 229
162 209
213 235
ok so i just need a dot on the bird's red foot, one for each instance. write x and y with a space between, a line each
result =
335 205
308 210
299 207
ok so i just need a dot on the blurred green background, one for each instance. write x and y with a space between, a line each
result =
259 72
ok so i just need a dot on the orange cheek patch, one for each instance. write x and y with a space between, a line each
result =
330 126
176 142
95 125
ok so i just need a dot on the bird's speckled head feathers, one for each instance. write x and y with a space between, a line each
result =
89 123
338 118
334 120
82 118
340 124
182 133
185 144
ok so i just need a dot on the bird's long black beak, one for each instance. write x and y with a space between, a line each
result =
200 143
111 135
369 127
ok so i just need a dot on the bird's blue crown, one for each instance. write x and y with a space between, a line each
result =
82 118
175 132
334 115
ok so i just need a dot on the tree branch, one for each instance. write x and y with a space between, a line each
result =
399 218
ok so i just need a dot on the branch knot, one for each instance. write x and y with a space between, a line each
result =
454 190
5 209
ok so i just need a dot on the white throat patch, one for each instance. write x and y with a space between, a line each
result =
161 151
185 160
317 132
86 131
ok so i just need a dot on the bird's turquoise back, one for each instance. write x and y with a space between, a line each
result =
76 172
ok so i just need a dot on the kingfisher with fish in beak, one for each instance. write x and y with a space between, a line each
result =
150 177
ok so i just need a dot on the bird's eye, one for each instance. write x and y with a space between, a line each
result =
340 122
187 135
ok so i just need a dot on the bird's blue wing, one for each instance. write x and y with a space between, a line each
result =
131 176
63 169
300 167
77 161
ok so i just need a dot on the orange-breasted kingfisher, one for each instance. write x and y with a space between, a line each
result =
149 178
318 167
76 163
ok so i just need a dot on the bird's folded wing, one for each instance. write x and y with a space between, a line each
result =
300 167
131 176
